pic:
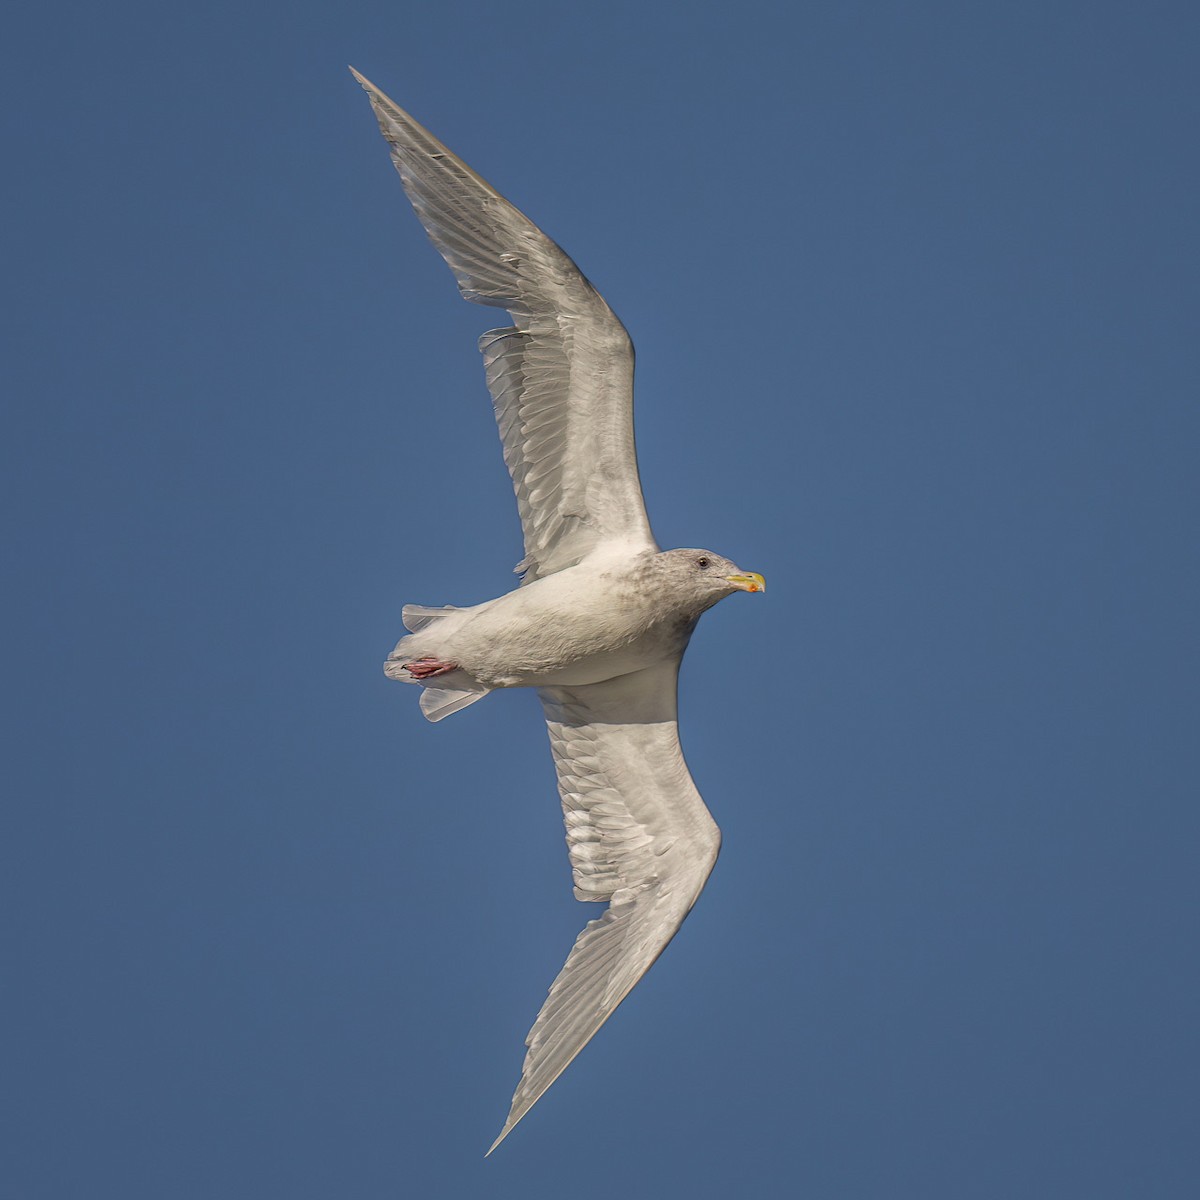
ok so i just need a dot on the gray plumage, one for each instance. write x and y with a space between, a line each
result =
602 616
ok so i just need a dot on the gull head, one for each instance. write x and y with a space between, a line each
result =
699 578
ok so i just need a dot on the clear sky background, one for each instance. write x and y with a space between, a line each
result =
914 293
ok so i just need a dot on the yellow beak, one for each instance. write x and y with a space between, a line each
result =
749 582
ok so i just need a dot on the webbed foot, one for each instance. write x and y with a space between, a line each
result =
429 668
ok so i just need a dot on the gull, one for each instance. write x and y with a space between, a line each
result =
601 618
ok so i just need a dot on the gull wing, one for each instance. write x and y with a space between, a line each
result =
561 377
639 837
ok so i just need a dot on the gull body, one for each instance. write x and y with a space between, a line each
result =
615 612
602 616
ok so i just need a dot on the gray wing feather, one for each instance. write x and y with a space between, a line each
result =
561 378
639 836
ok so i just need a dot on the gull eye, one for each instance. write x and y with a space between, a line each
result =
702 563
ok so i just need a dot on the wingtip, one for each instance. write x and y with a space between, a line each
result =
503 1134
519 1111
515 1115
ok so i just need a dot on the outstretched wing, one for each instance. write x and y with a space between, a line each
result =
639 837
561 378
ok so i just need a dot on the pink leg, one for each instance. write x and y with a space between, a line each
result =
429 668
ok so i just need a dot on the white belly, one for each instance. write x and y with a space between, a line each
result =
571 628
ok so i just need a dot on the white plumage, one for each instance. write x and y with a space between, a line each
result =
602 616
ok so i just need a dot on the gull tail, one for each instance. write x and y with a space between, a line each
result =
454 689
418 616
439 702
446 692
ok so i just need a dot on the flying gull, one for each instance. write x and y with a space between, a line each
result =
601 618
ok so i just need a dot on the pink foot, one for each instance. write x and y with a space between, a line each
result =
429 668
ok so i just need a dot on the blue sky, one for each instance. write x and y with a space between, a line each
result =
914 293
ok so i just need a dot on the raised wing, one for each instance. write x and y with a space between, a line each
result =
639 837
561 378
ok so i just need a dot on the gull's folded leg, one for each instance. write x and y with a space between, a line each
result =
429 668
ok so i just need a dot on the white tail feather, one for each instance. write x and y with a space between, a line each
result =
439 702
417 616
